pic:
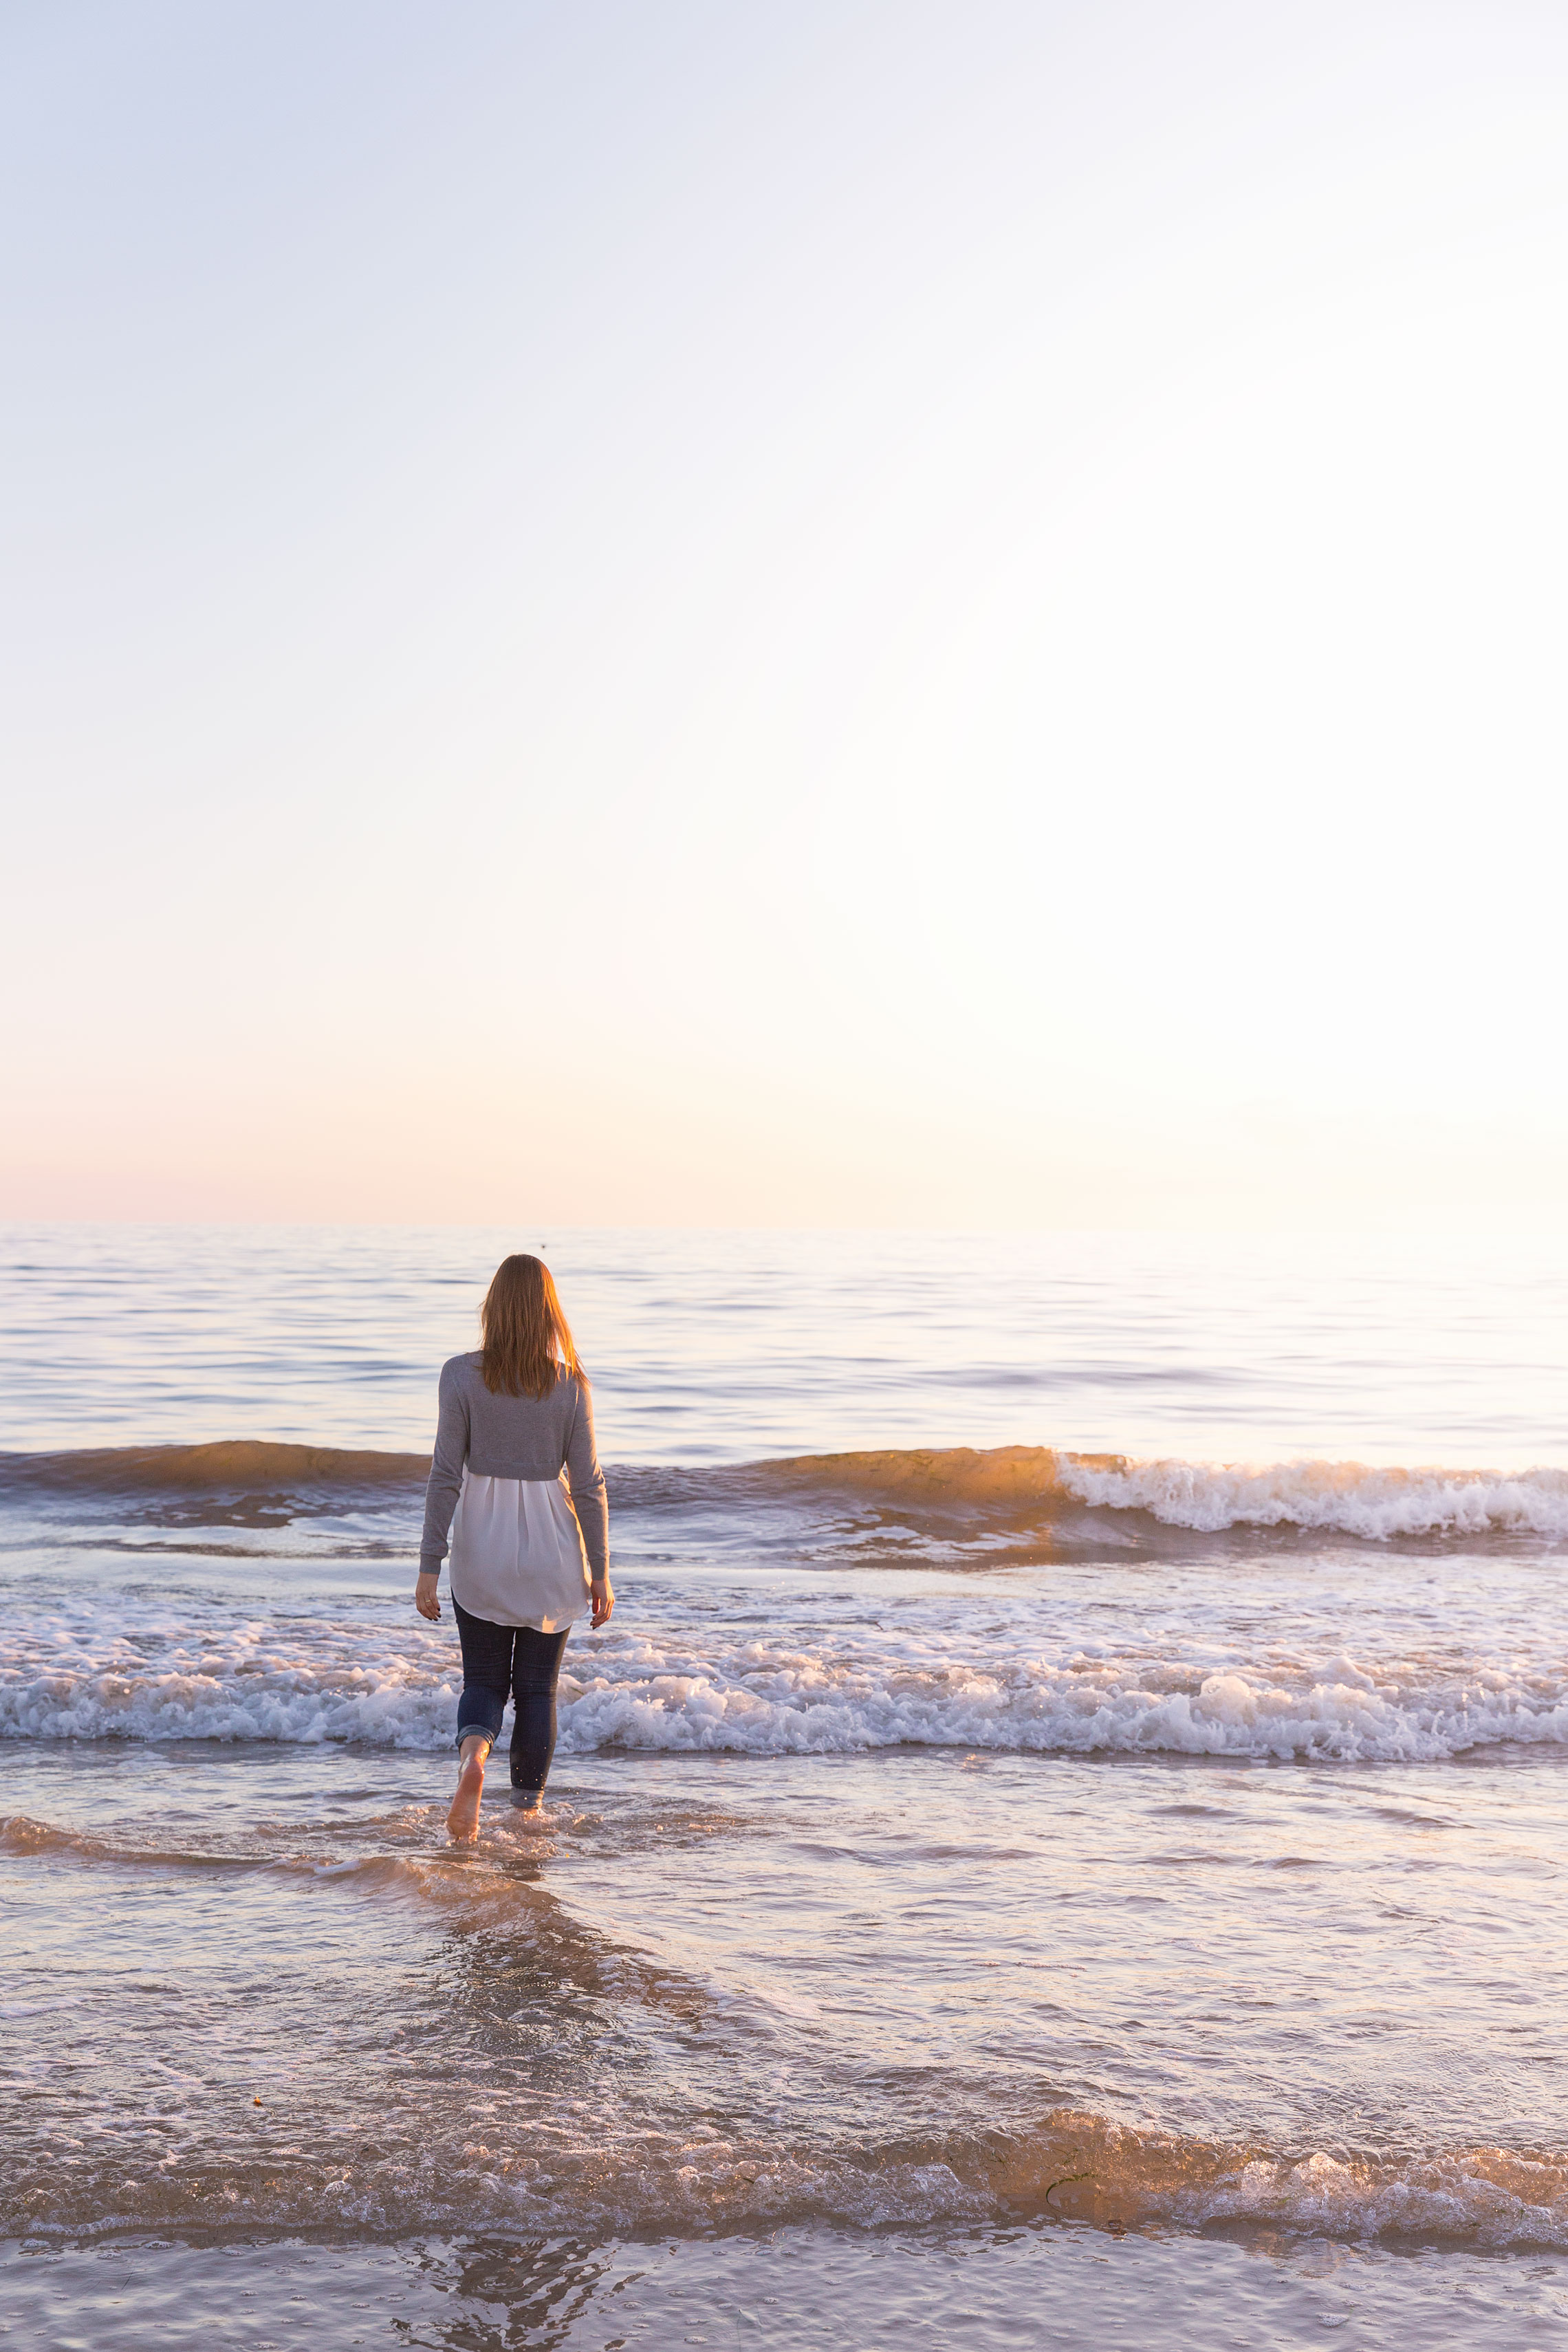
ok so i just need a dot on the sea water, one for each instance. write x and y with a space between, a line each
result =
1059 1844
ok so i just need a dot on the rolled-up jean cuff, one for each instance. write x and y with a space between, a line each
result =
478 1731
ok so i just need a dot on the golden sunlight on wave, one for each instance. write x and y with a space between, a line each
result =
229 1462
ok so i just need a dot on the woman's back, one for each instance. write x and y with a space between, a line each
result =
525 1437
511 1436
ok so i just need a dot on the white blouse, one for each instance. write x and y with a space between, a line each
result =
517 1553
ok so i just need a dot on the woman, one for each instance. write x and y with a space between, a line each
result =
526 1562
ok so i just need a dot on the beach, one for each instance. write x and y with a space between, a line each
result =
1059 1845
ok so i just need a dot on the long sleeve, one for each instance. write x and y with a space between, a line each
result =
445 1478
587 1481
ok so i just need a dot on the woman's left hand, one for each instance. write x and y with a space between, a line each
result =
425 1599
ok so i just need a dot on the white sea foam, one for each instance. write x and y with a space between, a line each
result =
1331 1497
707 1689
294 1678
775 1704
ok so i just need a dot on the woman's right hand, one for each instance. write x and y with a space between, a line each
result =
603 1599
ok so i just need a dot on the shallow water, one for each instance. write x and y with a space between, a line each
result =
1002 1900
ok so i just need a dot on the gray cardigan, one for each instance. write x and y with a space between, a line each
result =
512 1437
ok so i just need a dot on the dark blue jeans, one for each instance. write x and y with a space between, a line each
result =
502 1661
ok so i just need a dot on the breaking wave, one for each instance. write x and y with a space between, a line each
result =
1074 2167
314 1679
1019 1485
1019 1491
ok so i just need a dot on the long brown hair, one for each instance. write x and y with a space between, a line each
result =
528 1341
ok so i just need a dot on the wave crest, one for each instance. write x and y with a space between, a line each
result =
1037 1496
1017 1486
251 1463
1328 1497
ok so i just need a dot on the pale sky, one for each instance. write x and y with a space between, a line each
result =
785 613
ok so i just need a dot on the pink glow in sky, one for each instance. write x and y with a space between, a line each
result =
814 614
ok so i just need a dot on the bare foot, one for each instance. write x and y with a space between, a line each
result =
463 1821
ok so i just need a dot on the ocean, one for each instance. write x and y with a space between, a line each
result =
1061 1844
